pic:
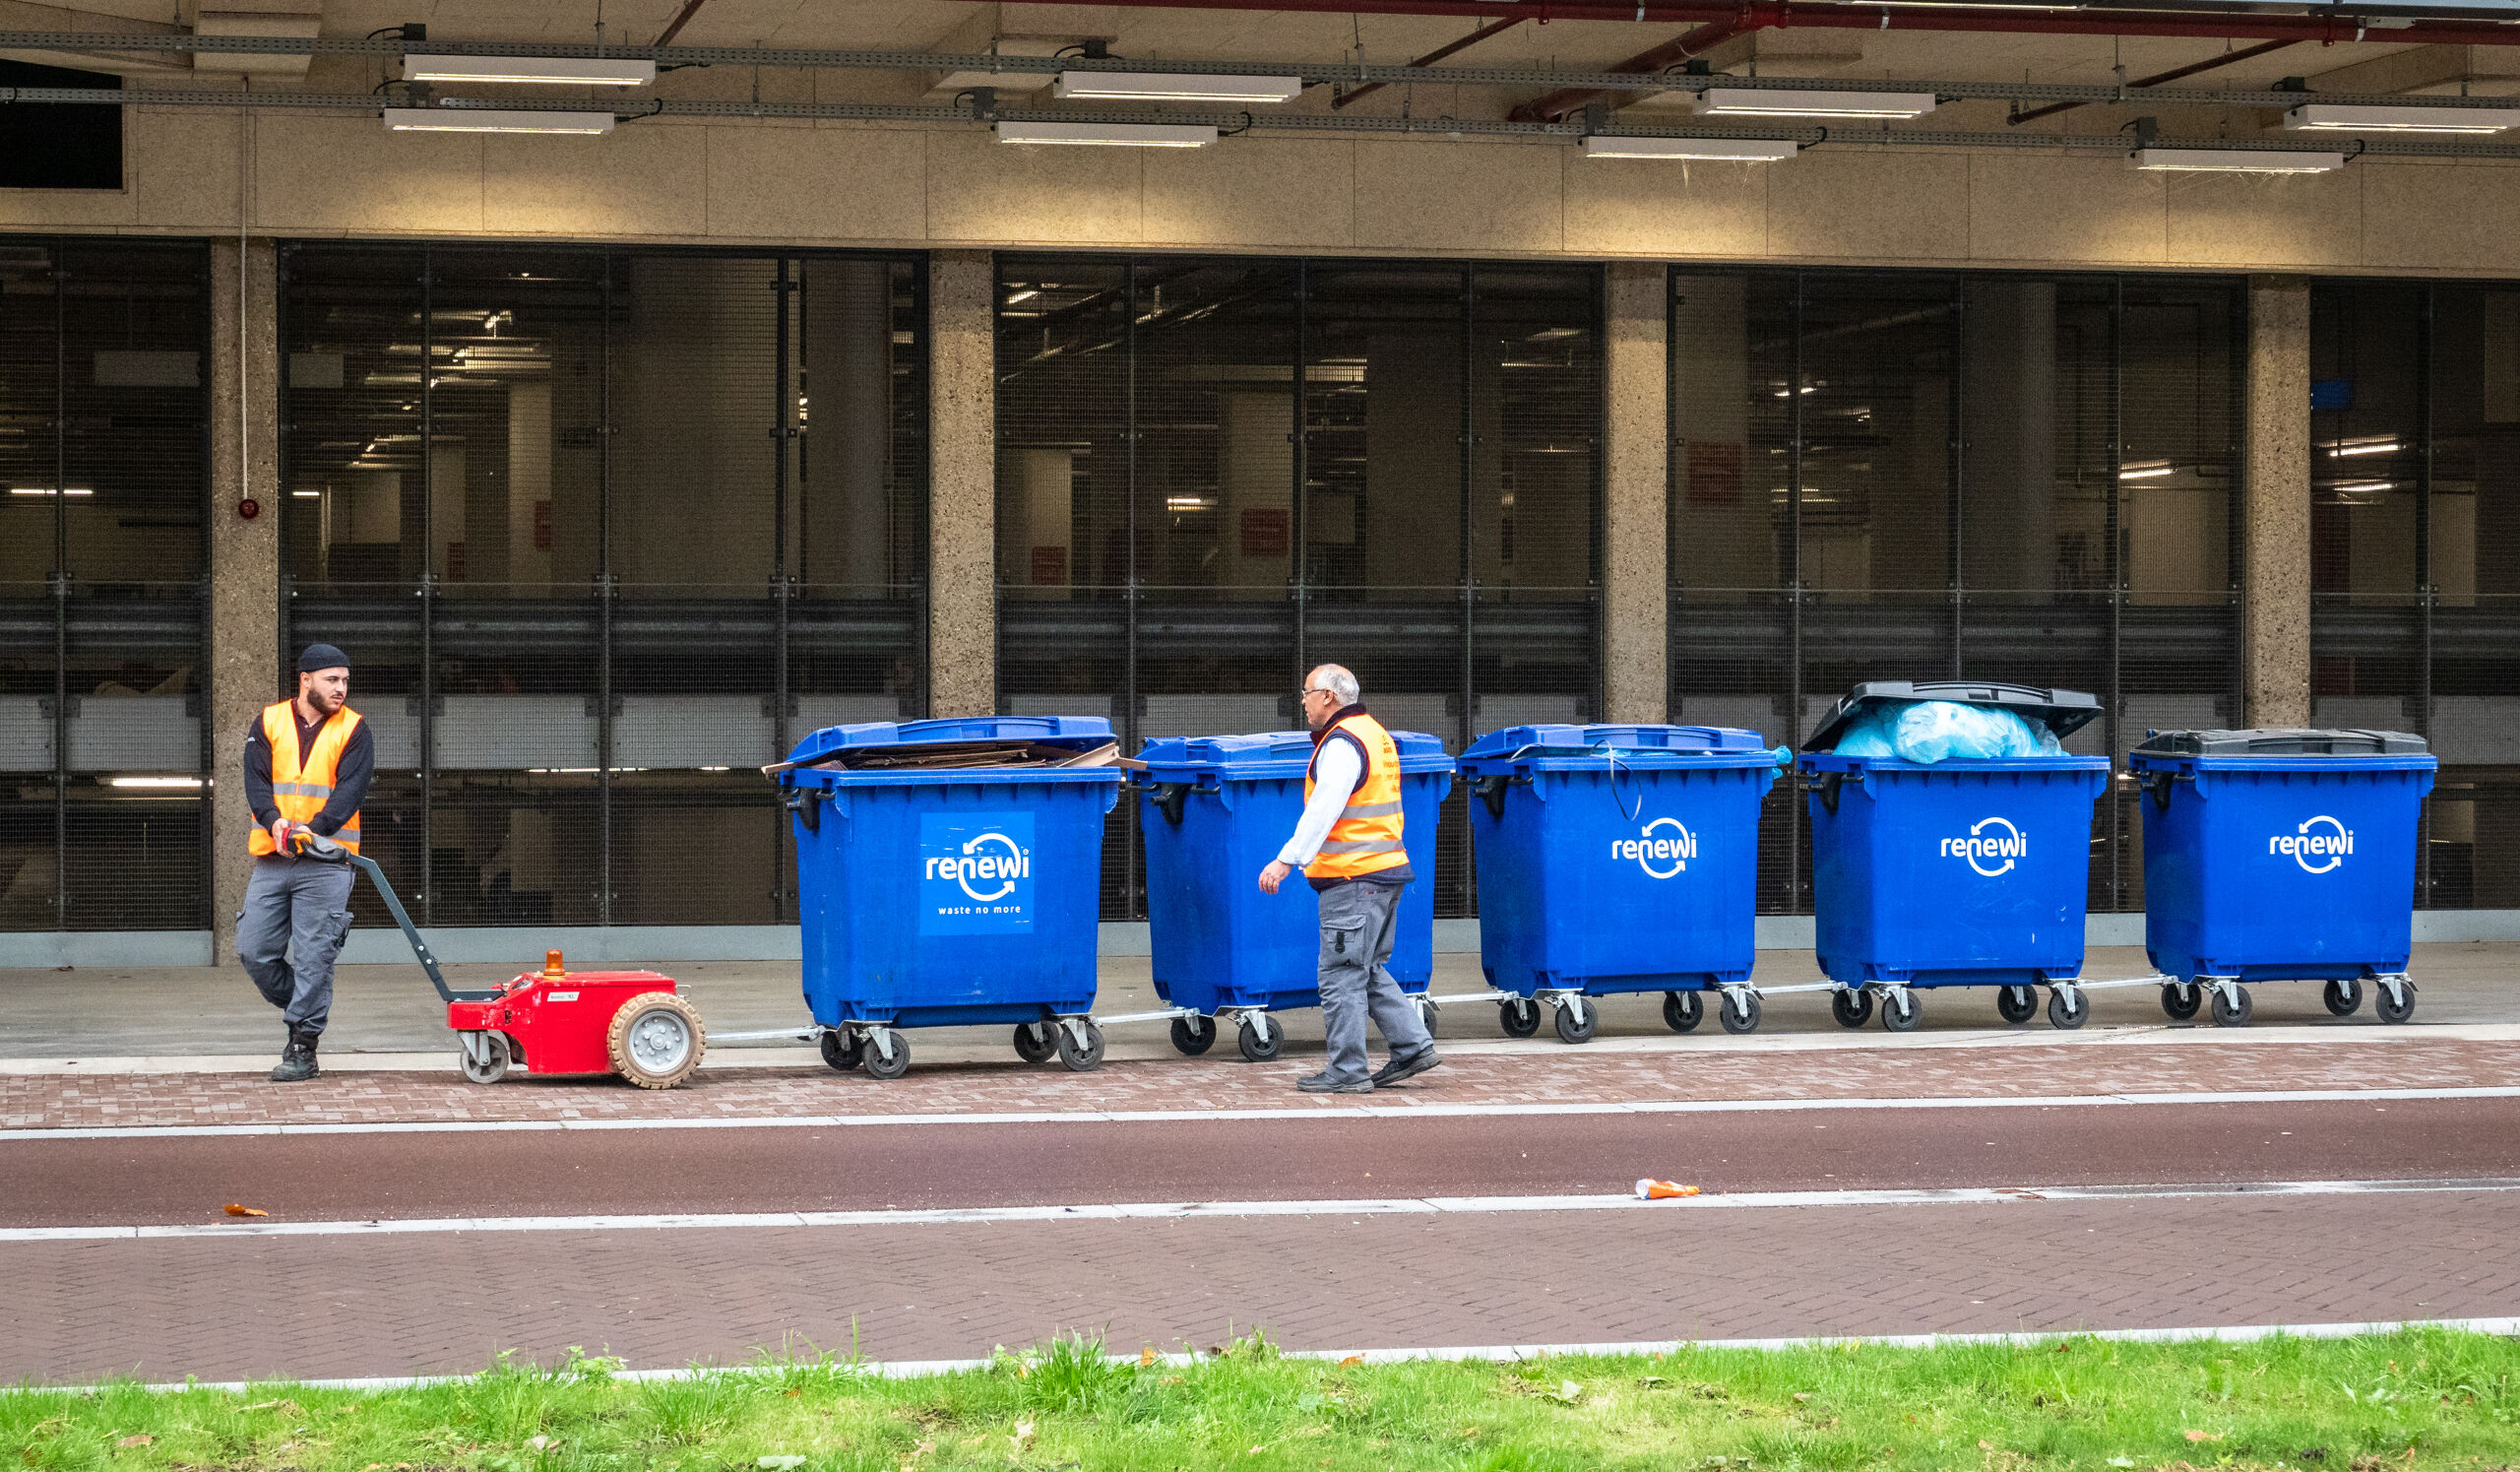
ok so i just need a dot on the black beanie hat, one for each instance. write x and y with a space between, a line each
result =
322 656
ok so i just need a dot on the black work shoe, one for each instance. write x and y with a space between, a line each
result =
1323 1083
1400 1071
297 1061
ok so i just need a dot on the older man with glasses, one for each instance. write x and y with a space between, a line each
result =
1349 846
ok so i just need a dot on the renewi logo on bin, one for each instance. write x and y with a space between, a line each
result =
1663 850
1992 847
2316 848
974 872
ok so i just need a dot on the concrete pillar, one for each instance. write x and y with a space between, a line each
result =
244 554
962 520
1636 499
2275 509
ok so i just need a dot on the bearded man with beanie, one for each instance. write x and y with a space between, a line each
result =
307 766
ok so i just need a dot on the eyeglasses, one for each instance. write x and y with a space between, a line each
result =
1308 694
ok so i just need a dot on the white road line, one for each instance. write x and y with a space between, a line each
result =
2106 1035
902 1370
966 1216
1394 1111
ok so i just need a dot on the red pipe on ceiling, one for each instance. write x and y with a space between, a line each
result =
2323 29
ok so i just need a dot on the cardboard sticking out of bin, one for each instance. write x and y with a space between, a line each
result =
948 745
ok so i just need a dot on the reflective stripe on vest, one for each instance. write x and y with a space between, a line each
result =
1366 838
302 783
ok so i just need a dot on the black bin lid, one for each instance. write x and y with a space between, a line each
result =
2279 741
2062 711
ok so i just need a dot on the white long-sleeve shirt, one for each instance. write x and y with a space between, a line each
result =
1336 770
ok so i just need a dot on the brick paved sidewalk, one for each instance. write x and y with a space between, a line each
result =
347 1306
1567 1076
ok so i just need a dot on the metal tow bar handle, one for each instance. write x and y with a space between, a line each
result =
322 850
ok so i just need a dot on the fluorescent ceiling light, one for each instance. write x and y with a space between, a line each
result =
1746 102
45 490
174 782
2367 447
2236 161
598 71
2335 118
2146 471
493 120
1110 135
1165 87
2349 487
1732 149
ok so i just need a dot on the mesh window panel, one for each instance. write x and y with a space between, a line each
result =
1535 494
513 848
1063 502
132 826
695 371
1732 550
134 321
32 304
2180 359
1387 406
354 331
2473 553
696 849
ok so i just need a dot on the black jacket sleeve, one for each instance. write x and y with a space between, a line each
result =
351 775
258 775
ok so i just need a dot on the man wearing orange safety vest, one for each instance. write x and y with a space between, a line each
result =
307 765
1349 844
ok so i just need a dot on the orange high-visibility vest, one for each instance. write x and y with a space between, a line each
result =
1366 838
302 782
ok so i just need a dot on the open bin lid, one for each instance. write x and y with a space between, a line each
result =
2280 741
1079 733
2065 712
1273 753
1608 742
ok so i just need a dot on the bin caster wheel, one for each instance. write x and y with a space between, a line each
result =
1033 1041
1744 1018
1427 1015
2016 1003
2180 1001
1575 1022
1900 1012
2344 998
1075 1058
1520 1018
491 1062
1852 1007
1682 1011
1194 1035
2227 1015
2394 1011
655 1040
879 1067
2067 1008
1254 1046
842 1049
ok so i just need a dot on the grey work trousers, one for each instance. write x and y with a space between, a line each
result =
1356 928
295 918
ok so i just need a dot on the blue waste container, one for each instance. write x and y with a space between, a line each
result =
2281 856
1962 872
1618 858
1217 809
933 894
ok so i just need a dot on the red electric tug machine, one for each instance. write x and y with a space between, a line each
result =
557 1021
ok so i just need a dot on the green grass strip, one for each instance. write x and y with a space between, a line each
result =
2414 1399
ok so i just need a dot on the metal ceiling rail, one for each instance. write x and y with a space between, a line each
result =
1991 91
1237 121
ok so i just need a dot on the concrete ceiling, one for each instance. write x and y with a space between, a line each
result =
1274 36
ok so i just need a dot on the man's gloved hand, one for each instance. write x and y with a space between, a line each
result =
280 834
